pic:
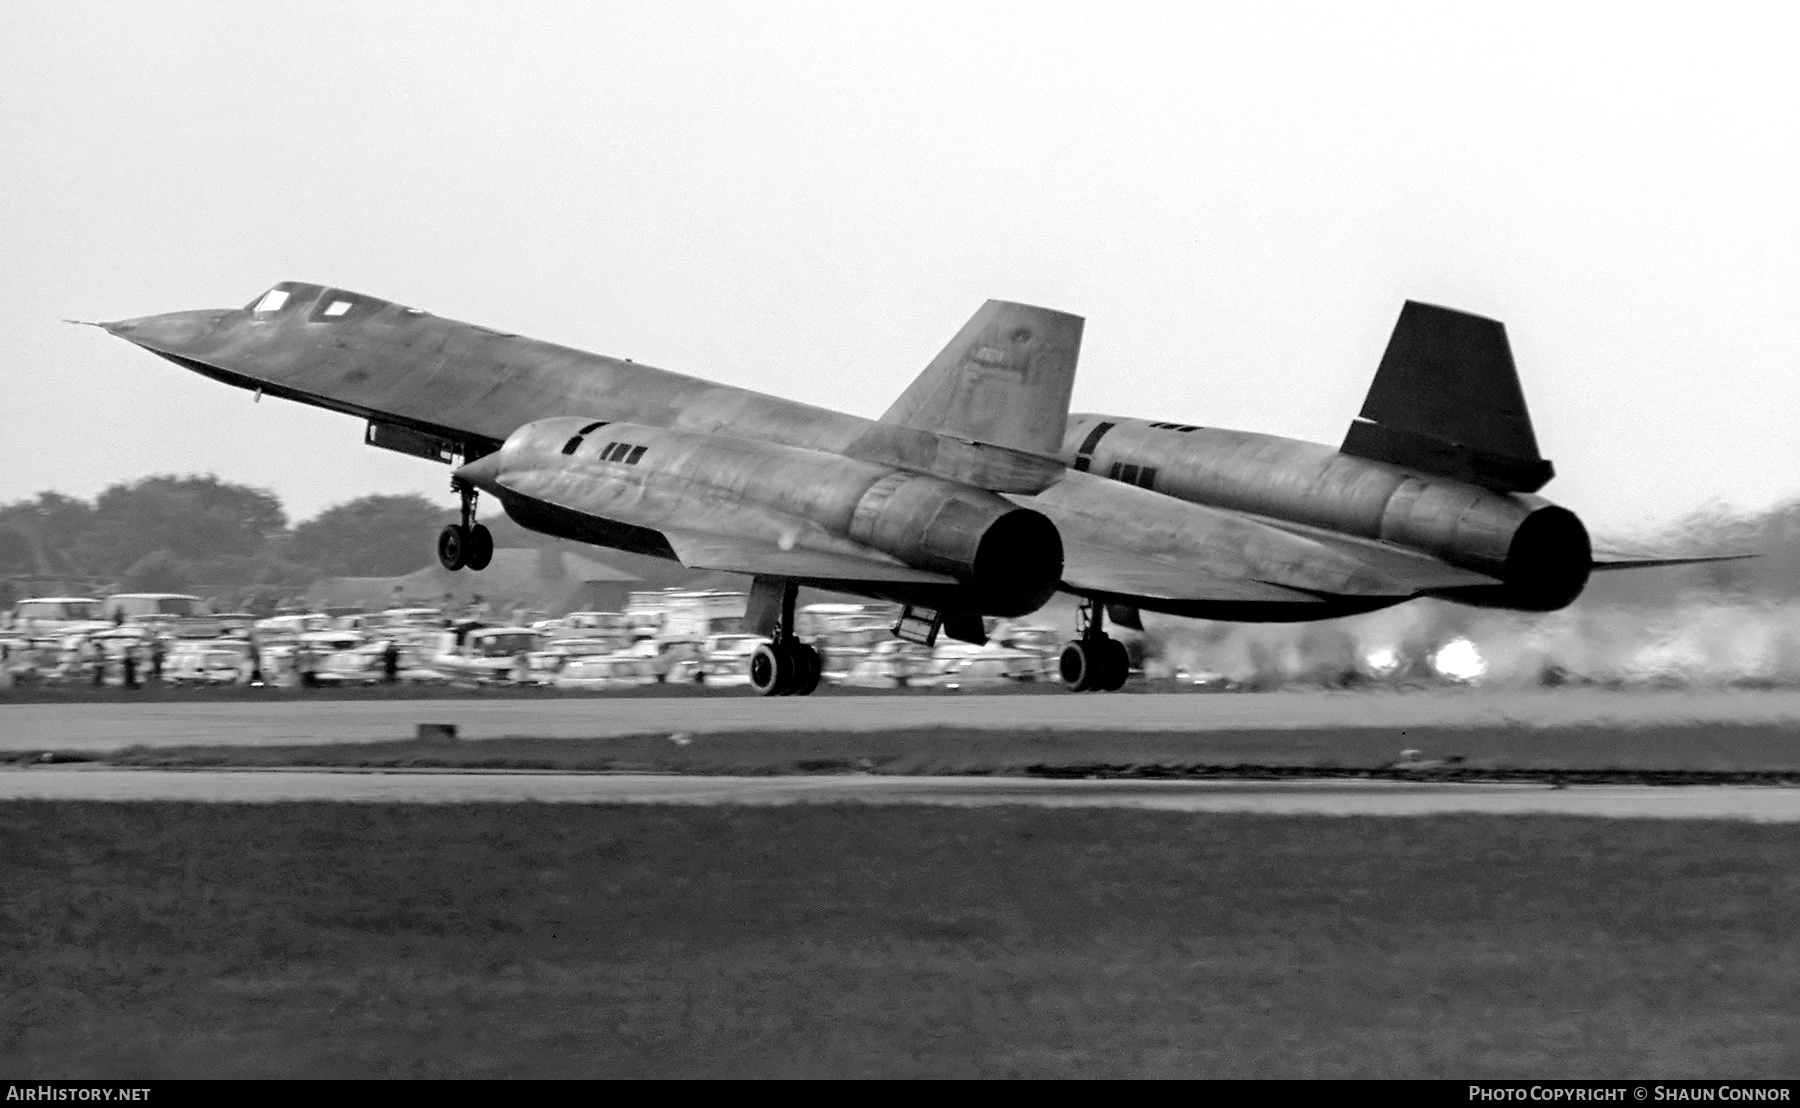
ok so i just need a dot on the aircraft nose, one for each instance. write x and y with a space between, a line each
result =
483 472
172 331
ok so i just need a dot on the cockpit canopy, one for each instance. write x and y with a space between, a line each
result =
318 304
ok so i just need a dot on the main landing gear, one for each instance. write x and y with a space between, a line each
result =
1094 661
785 666
465 545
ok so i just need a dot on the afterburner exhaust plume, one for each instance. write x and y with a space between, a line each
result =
1698 641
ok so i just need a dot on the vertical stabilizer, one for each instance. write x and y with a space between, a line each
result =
1004 380
1446 401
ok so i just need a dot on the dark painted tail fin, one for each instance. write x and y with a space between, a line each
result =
1004 380
1446 401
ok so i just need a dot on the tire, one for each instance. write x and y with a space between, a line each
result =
1118 665
808 668
771 670
453 547
480 548
1078 667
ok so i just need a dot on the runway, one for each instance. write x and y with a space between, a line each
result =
1302 797
114 725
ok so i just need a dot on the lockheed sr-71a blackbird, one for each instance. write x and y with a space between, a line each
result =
975 495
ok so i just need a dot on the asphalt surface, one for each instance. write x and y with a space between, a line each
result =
1337 798
114 725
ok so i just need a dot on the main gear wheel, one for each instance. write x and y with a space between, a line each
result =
785 667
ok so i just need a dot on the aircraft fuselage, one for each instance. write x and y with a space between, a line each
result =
473 386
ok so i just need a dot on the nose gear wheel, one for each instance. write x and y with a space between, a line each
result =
465 545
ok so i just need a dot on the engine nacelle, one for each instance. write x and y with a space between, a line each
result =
1541 551
1012 556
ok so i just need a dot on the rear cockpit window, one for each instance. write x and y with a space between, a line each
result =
636 453
334 305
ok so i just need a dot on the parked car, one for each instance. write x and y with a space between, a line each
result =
207 662
725 660
235 624
312 651
169 613
56 615
30 660
543 665
605 671
612 623
890 665
290 627
359 665
485 653
991 668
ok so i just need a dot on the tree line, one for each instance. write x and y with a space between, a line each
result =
202 535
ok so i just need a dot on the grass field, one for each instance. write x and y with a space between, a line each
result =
504 941
1748 751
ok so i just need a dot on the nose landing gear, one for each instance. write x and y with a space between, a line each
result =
465 545
1094 661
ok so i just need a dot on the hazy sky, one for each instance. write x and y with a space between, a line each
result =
810 199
